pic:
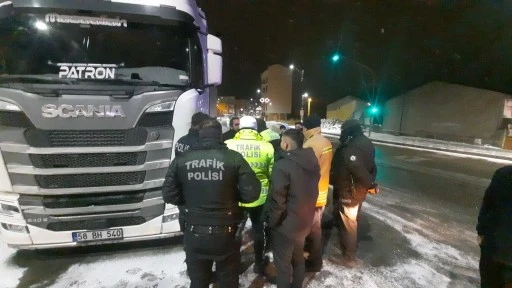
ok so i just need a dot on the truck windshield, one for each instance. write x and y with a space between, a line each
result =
86 50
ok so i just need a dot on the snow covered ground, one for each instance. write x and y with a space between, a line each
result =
430 262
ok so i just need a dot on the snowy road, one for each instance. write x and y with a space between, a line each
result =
419 232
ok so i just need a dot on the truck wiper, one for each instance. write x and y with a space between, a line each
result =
34 79
128 82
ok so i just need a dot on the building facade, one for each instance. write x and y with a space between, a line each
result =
276 85
348 107
451 112
225 105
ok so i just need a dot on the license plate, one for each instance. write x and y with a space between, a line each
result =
99 235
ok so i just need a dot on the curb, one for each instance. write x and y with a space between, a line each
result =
499 157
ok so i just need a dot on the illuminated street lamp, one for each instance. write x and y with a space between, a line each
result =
265 102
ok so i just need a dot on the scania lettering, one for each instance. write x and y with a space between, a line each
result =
93 96
66 111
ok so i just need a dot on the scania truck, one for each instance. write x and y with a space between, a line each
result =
93 94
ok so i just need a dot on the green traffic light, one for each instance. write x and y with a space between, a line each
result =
335 57
374 110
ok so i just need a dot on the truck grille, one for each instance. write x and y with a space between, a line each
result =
86 138
123 198
87 160
95 224
156 119
14 119
90 180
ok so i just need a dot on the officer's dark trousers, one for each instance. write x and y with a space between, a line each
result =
258 232
289 260
494 274
348 232
314 242
202 250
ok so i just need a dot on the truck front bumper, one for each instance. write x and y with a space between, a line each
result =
37 238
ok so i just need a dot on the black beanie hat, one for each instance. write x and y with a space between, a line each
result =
312 121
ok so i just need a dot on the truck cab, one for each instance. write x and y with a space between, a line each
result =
93 96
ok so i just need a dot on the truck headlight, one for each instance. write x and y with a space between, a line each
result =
9 210
162 107
6 106
170 217
15 228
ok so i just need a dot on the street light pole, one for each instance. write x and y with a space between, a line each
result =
309 106
301 70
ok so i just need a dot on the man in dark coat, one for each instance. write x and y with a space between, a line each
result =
354 173
182 146
209 181
495 231
234 127
291 207
187 141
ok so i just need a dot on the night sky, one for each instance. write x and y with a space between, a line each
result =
407 43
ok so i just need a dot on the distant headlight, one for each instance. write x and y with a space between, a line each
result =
162 107
6 106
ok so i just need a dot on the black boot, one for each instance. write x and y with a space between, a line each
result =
259 266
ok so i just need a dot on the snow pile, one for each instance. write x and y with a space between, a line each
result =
333 127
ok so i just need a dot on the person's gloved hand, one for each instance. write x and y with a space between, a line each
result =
480 240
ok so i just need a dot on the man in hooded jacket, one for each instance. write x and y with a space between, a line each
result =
354 173
291 207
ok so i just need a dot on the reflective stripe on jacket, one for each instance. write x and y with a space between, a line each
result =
323 151
260 156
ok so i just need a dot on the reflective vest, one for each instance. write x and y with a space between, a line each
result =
269 135
260 156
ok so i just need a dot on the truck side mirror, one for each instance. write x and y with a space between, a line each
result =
214 60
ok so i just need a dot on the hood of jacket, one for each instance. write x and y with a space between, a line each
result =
305 158
350 133
248 134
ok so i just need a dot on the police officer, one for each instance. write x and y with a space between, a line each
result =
260 155
183 144
354 173
210 180
268 134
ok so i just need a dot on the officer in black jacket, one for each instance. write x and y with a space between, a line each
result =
354 173
187 141
291 207
182 146
495 231
210 180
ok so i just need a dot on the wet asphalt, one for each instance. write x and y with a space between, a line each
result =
425 216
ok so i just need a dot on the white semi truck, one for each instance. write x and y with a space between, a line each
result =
93 94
